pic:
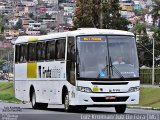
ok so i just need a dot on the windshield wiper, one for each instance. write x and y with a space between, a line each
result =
110 68
115 69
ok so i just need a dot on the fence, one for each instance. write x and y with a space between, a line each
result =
146 76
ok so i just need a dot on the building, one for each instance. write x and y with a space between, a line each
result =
126 8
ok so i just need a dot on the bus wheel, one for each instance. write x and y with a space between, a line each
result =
67 107
33 101
120 108
36 105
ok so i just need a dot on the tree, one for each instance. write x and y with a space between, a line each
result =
156 11
140 28
43 31
144 45
83 14
19 25
47 16
31 15
99 14
156 37
1 24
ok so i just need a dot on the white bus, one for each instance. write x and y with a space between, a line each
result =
78 69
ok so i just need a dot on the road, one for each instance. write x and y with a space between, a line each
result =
11 111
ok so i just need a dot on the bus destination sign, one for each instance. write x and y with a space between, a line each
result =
92 38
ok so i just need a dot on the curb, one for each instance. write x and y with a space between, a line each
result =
144 108
11 102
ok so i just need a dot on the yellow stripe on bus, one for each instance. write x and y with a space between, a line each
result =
31 70
32 39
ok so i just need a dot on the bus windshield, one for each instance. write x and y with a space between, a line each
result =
123 53
95 52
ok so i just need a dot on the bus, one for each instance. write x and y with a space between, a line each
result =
77 69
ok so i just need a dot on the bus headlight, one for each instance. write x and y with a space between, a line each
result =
84 89
134 89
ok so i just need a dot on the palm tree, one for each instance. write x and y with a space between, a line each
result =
140 28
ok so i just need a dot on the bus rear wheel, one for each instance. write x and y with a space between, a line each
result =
120 108
67 107
36 105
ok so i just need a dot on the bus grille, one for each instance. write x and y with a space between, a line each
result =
103 99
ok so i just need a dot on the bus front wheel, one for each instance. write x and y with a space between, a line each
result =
120 108
36 105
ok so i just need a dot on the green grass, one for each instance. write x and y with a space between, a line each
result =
150 97
7 92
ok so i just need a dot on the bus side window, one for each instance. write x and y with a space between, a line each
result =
23 53
60 49
50 50
71 60
32 52
17 54
41 51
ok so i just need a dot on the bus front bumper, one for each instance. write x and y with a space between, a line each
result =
106 99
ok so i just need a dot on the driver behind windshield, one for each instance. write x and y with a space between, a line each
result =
119 60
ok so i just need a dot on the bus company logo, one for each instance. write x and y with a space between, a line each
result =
114 90
127 72
48 72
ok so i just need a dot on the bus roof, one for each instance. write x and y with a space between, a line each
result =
80 31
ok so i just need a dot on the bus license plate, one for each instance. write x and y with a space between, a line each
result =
110 97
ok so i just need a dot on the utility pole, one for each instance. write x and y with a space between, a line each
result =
8 65
153 62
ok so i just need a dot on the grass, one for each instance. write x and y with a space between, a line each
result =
150 97
7 92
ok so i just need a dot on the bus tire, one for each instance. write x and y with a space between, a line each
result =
67 107
120 108
36 105
33 100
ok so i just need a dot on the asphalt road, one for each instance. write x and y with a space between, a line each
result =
11 111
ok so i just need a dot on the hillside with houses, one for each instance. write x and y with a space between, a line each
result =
40 17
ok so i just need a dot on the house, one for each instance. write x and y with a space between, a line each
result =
28 4
148 19
33 29
5 44
25 22
11 33
13 21
126 5
126 8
